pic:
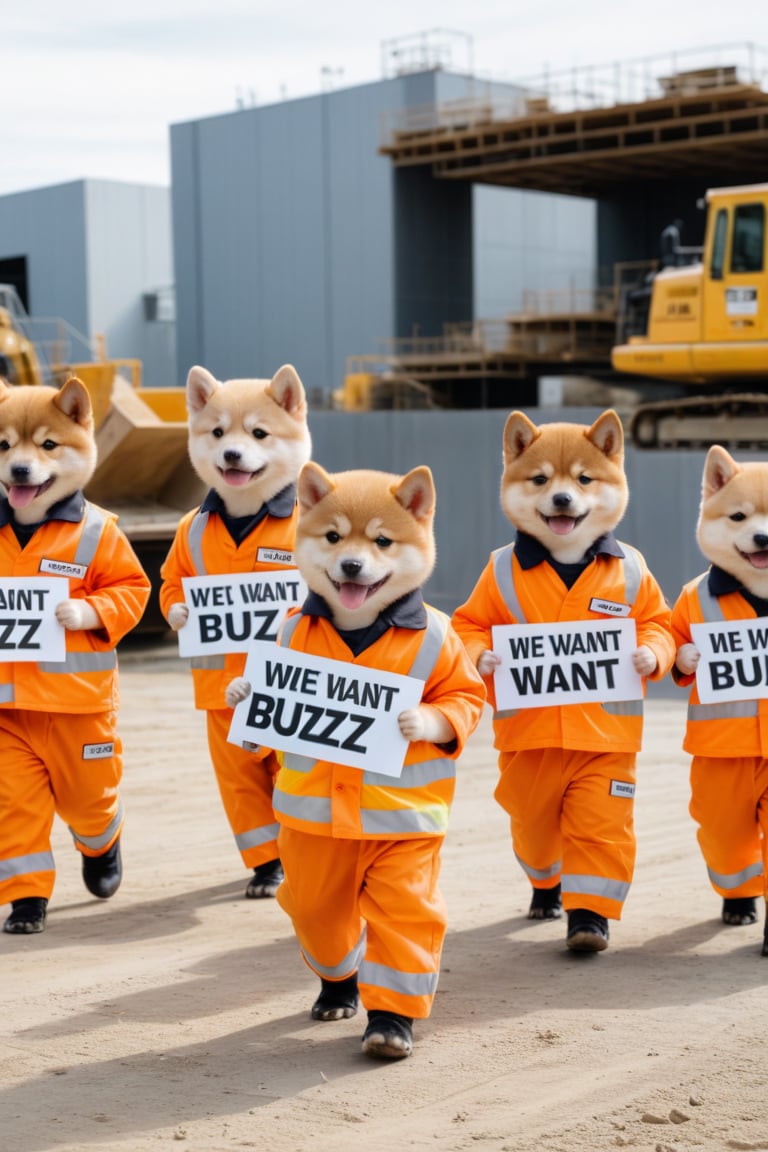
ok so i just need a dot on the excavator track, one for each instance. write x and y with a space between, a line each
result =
734 419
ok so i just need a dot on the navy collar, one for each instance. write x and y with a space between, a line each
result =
281 505
407 612
721 583
530 551
70 509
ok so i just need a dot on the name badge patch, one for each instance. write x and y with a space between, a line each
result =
61 568
609 607
98 751
275 556
621 788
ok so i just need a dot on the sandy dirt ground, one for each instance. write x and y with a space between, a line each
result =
177 1014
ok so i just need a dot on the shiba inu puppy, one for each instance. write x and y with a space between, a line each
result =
247 441
57 721
567 769
729 788
365 844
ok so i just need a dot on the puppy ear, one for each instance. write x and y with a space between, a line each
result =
416 493
719 468
200 387
607 434
75 402
287 390
313 485
519 433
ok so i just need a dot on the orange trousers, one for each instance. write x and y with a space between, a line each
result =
54 764
729 802
571 817
371 907
246 780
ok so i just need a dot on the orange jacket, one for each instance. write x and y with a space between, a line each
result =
218 553
330 799
106 572
544 598
735 728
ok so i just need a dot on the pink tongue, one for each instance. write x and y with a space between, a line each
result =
19 495
561 525
352 595
235 478
758 559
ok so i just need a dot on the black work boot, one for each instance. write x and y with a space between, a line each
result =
102 874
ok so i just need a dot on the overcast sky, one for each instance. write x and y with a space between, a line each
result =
90 87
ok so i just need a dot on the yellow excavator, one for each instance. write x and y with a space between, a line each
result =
705 330
143 471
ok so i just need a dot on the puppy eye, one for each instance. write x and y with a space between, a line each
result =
49 445
332 537
217 433
260 434
738 516
4 445
584 479
382 542
538 480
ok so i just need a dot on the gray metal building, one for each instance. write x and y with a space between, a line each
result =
95 254
295 241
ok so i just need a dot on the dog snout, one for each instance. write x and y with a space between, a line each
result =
351 568
562 500
232 456
760 539
21 473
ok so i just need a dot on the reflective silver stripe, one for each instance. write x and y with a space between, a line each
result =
431 645
400 821
195 541
256 836
96 842
711 609
210 663
7 695
298 763
287 630
728 710
90 536
539 873
82 662
735 879
316 809
24 865
506 713
624 707
502 571
406 983
633 573
595 886
345 967
414 775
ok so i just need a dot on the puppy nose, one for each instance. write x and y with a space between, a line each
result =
760 539
231 456
351 567
20 471
561 500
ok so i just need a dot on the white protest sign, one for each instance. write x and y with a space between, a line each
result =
227 613
543 665
734 660
325 709
29 629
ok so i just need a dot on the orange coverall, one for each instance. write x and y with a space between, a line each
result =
567 773
204 546
59 745
361 850
728 742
